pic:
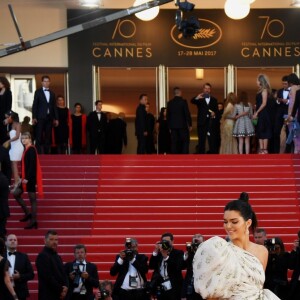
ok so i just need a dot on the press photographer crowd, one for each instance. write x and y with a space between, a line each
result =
171 277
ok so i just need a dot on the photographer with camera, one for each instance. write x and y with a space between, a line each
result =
188 291
294 264
277 267
131 268
83 276
105 290
167 264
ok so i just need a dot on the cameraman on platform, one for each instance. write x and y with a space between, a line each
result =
277 268
83 276
131 268
167 264
188 291
294 292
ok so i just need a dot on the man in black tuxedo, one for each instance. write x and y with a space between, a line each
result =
150 148
20 270
131 268
207 120
141 131
167 264
53 281
96 126
188 291
83 276
281 105
180 123
44 116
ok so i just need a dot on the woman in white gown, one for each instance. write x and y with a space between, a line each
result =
232 270
16 147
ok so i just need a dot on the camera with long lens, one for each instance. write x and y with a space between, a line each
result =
128 251
270 244
77 272
192 247
104 294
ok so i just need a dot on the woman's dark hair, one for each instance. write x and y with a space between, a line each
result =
5 82
293 79
13 115
161 114
244 208
2 247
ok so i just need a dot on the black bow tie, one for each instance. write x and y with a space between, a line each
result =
99 113
287 90
46 90
11 253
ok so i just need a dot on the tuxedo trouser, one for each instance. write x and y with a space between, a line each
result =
139 294
43 134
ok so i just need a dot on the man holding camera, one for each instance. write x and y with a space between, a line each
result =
167 264
188 291
83 276
131 268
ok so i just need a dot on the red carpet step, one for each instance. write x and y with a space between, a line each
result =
100 200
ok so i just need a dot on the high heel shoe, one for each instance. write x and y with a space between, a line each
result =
32 225
26 218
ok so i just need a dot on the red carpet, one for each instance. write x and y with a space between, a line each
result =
100 200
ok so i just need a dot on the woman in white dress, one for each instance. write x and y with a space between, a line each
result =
16 147
233 270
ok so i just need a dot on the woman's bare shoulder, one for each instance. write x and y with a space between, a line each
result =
260 252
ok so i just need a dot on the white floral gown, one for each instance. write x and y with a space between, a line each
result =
225 271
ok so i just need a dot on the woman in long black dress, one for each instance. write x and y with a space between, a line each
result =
78 130
61 132
263 100
7 291
163 131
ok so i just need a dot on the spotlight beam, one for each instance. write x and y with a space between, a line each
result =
78 28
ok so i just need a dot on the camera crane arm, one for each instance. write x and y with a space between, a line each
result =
22 46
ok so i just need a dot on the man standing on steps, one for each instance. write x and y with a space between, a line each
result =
53 281
180 123
260 236
131 268
20 270
141 124
97 126
44 116
167 263
83 276
207 120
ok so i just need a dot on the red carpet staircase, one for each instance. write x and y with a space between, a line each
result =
100 200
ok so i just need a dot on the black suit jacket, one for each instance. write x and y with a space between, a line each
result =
178 114
140 120
5 165
175 264
51 274
91 282
203 109
5 104
95 127
140 264
281 108
24 267
40 106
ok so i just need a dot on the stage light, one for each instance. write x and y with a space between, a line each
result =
237 9
148 14
90 3
296 3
